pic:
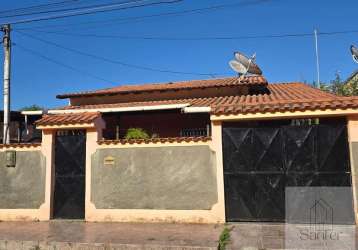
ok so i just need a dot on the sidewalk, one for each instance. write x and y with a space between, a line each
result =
76 235
68 235
271 236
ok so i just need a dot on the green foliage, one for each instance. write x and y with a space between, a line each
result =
33 107
224 238
351 88
339 87
136 133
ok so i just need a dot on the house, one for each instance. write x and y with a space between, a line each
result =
221 149
17 126
22 127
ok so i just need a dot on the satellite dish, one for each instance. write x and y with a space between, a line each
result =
238 67
354 51
243 65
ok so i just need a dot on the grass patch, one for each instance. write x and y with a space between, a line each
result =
224 238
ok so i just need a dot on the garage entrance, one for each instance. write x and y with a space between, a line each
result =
262 158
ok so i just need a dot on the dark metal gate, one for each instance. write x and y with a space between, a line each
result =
70 159
260 161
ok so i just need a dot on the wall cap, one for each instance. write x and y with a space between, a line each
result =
155 140
20 145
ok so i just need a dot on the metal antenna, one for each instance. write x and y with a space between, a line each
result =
317 58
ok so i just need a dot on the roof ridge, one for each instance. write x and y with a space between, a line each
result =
167 86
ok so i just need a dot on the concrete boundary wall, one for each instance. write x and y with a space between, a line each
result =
216 214
32 206
164 178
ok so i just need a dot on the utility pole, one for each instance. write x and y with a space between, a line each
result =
317 58
7 68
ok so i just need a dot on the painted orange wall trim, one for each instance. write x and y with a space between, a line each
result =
353 138
286 114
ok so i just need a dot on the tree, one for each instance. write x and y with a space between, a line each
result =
339 87
351 87
32 107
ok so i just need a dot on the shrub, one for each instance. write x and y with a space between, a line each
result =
136 133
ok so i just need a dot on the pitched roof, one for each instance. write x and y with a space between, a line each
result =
194 84
280 97
285 97
68 119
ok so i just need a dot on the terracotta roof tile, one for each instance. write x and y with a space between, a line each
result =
280 97
66 119
154 140
193 84
286 97
20 145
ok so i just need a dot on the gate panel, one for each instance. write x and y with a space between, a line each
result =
253 173
259 162
254 197
266 144
332 149
70 157
298 146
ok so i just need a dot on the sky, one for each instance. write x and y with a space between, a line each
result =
36 80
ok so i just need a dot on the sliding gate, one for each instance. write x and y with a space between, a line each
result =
260 161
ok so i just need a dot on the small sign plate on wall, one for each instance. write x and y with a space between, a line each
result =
109 161
10 158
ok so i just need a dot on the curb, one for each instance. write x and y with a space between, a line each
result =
43 245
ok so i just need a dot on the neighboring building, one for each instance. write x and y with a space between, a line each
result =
30 134
219 150
22 128
17 126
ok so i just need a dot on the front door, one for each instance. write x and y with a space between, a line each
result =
70 159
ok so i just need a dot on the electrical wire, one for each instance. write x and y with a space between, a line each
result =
88 12
112 61
38 6
35 53
164 14
74 9
197 38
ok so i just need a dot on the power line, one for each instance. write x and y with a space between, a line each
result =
89 12
197 38
139 67
38 6
35 53
73 9
173 13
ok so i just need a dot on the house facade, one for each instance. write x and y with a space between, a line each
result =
216 150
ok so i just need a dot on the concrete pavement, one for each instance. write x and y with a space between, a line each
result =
63 235
75 235
269 236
